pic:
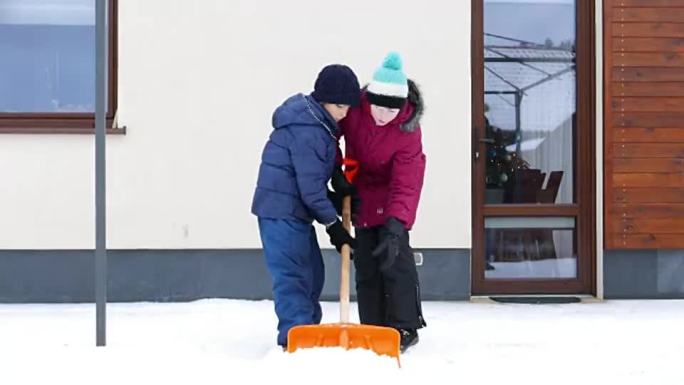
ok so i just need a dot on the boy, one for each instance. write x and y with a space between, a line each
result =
291 192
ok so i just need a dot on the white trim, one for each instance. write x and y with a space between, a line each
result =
388 89
599 148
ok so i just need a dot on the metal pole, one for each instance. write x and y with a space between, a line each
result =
518 128
100 201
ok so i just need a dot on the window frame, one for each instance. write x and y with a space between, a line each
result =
70 122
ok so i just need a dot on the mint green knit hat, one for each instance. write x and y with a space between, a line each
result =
389 87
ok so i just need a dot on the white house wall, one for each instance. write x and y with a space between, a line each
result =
198 81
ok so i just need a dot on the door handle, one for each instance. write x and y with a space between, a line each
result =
477 141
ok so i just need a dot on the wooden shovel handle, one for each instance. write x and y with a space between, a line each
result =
345 263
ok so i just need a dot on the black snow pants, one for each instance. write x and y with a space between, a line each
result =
386 298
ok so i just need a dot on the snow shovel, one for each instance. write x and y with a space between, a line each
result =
381 340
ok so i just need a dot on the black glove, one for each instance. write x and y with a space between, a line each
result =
340 183
337 199
340 236
390 234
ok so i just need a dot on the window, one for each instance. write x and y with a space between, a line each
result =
47 66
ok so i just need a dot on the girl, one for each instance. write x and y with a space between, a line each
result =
383 135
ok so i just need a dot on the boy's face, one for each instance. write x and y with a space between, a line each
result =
337 111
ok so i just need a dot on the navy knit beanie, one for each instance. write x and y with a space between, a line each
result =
337 84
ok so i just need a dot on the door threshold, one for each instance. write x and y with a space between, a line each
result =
535 299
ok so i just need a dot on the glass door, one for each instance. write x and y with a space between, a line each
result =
533 170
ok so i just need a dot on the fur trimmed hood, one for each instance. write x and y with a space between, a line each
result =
415 98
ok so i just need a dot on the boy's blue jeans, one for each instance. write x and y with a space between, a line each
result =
295 263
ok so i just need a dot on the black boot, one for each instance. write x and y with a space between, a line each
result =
409 337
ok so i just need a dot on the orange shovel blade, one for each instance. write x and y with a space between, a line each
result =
381 340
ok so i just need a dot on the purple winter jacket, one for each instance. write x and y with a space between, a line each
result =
392 163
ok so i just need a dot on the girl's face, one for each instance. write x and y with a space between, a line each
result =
337 111
383 115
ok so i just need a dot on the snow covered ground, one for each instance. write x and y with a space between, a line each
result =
232 342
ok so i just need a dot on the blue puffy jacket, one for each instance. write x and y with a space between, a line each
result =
297 163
